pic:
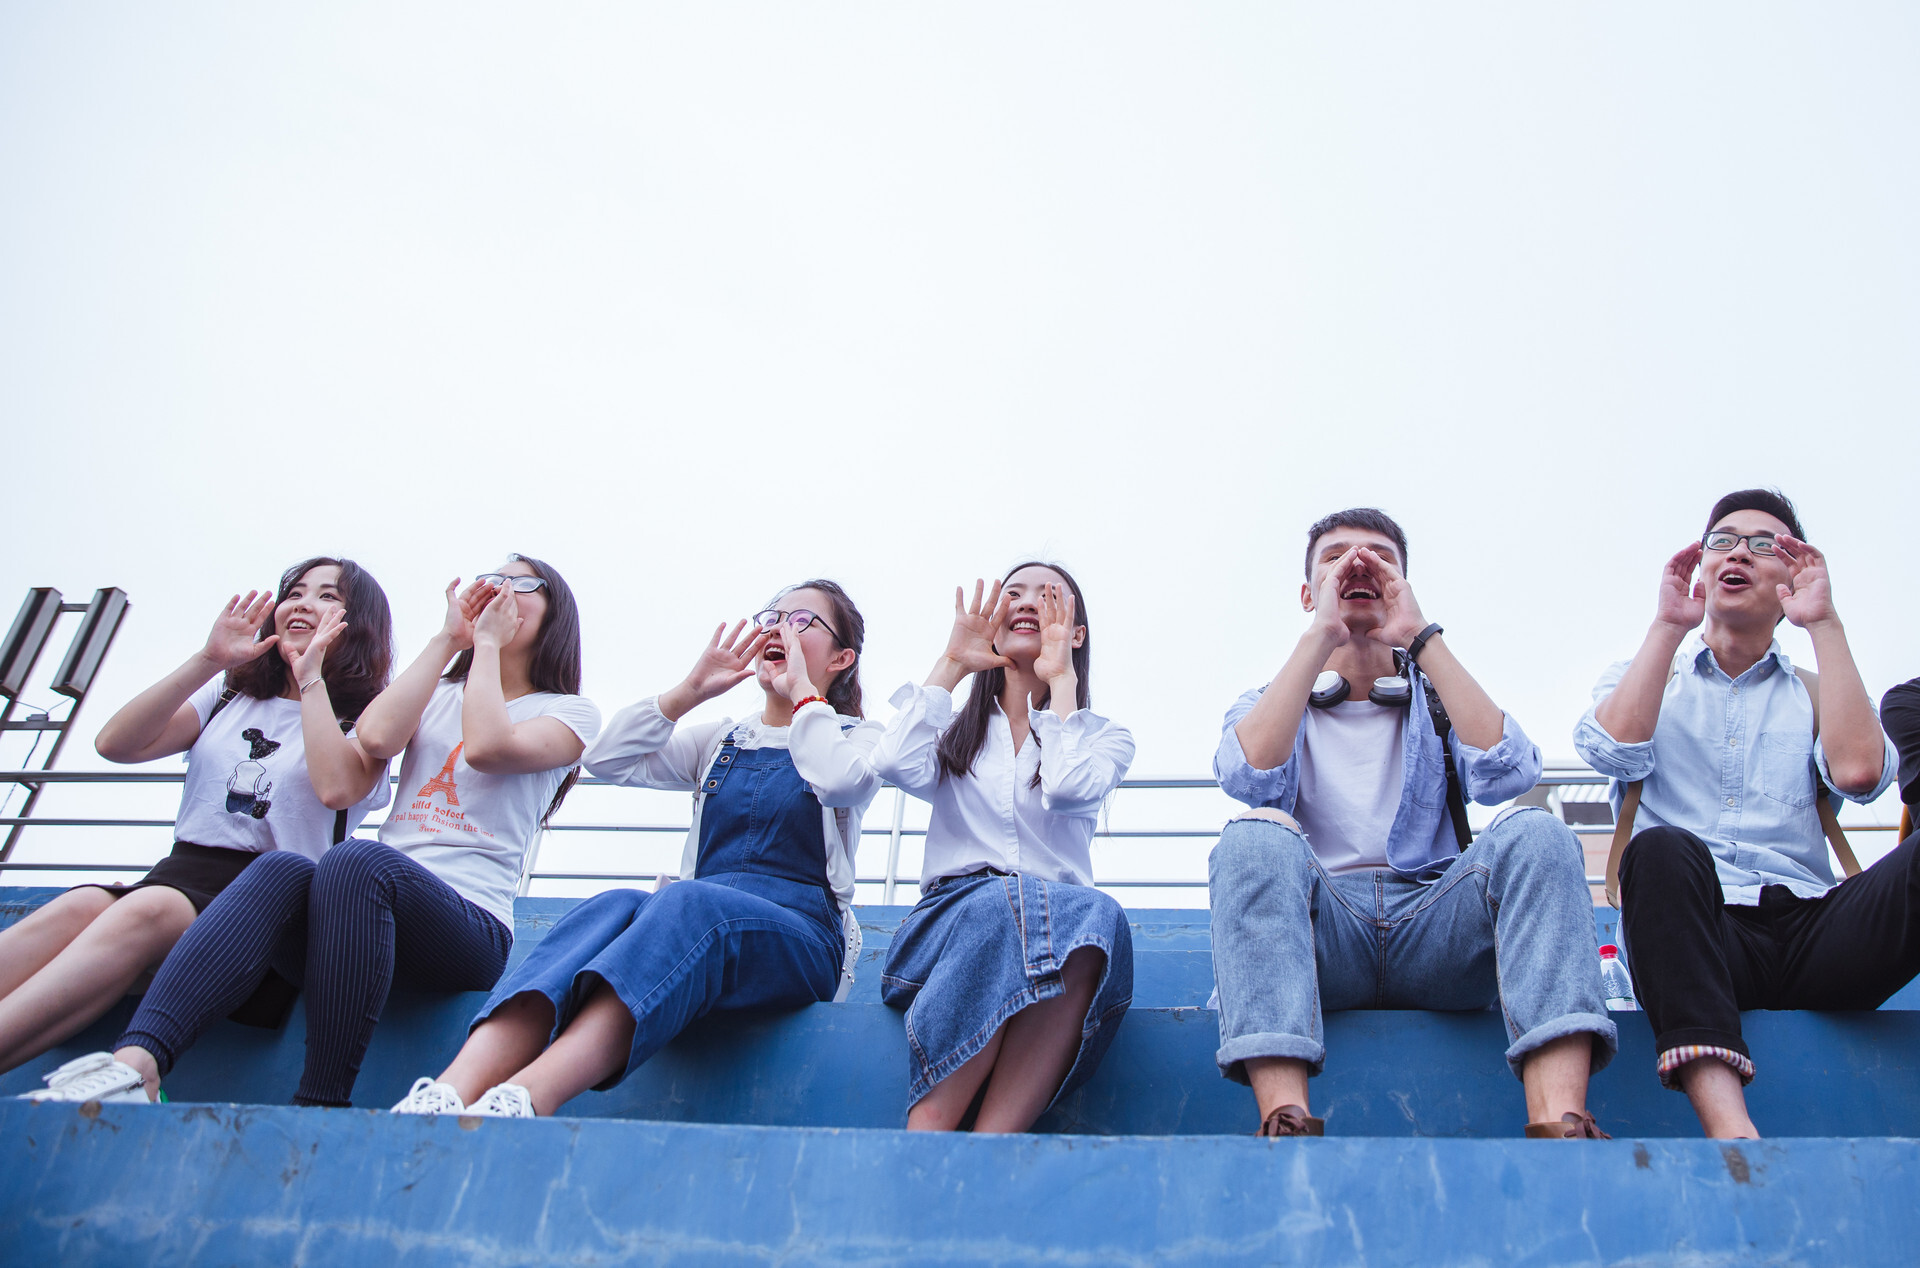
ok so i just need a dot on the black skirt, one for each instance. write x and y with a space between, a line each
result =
198 871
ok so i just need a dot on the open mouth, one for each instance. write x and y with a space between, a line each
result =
1734 579
1359 594
1024 625
774 654
299 625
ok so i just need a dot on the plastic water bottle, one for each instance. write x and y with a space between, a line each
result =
1616 982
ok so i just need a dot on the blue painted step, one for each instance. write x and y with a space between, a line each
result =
190 1184
845 1065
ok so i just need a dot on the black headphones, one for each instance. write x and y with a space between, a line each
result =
1330 689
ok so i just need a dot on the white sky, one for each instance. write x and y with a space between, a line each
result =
696 300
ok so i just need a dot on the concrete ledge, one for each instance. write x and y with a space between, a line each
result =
226 1184
845 1065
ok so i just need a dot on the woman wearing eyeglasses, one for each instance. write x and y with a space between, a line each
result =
1013 970
492 743
762 915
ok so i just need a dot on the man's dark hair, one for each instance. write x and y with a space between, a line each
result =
1772 501
1367 517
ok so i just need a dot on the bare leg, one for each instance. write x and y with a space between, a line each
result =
1038 1046
1555 1076
941 1109
594 1045
94 971
142 1060
30 945
1718 1098
1277 1081
503 1044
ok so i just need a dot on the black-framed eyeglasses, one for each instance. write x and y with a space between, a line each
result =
799 618
1758 543
521 585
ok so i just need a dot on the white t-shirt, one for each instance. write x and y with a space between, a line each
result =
1352 769
471 829
247 786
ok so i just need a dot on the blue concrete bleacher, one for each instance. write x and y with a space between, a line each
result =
813 1074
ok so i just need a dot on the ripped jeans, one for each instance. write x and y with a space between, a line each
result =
1511 921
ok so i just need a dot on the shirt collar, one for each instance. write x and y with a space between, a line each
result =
1701 657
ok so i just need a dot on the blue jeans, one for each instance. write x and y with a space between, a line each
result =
729 940
1510 922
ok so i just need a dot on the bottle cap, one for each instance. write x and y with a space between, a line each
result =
1609 951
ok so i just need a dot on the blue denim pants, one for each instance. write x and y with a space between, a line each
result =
726 941
1510 922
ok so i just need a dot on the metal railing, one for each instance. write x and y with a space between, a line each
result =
1547 791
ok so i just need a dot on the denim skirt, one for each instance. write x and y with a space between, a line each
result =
980 948
727 941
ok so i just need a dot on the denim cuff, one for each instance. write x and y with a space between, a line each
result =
1598 1025
1275 1044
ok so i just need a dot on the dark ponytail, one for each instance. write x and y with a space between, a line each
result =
843 693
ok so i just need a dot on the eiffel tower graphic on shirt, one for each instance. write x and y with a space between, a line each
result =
443 782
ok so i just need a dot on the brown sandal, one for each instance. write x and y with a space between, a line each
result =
1573 1125
1292 1120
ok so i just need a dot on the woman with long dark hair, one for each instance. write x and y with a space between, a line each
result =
265 713
490 743
1013 970
762 917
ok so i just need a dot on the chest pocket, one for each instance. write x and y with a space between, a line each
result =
1786 768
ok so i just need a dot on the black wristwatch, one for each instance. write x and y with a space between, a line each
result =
1420 641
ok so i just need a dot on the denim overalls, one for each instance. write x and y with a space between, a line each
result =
757 928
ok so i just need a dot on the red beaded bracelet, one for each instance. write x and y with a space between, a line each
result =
801 704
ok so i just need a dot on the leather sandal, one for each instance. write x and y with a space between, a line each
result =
1292 1120
1573 1125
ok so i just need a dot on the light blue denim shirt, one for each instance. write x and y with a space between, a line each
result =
1732 760
1415 842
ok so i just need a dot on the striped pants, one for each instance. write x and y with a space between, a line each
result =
347 929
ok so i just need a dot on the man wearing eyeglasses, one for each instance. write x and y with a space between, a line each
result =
1728 900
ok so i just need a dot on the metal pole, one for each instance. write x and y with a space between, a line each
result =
893 843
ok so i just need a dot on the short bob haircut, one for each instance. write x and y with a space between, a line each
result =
357 665
1367 517
961 742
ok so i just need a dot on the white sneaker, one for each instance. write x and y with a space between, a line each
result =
504 1100
428 1097
94 1077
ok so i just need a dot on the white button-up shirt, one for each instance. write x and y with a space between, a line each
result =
994 816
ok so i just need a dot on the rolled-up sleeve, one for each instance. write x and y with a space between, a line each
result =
1598 749
1505 771
837 765
642 748
1083 757
908 753
1889 765
1245 782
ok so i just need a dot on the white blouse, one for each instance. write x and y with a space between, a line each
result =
641 748
993 816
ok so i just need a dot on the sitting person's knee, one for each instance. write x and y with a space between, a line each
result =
1268 813
1261 842
1662 852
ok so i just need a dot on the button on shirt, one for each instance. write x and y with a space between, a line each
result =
1733 761
993 816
